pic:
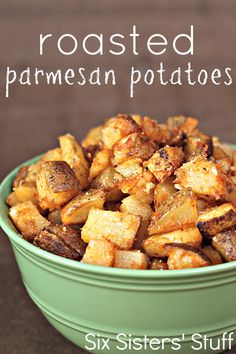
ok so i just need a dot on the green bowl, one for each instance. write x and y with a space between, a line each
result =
86 303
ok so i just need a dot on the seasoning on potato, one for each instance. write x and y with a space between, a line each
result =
135 194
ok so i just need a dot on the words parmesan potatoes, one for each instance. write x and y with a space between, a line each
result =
134 194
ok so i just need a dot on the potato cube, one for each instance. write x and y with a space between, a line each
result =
217 219
130 259
119 228
118 127
76 211
198 143
56 184
178 211
12 200
99 252
26 192
133 145
187 124
225 244
93 137
160 133
155 246
52 155
72 153
130 167
28 220
163 191
164 162
133 205
101 161
204 178
53 244
108 181
141 185
20 176
184 256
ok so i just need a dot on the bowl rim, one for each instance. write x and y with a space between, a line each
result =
148 274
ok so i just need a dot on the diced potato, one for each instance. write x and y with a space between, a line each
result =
53 244
21 176
217 219
108 181
159 264
130 167
163 191
157 132
198 142
155 246
133 205
56 184
187 124
203 205
184 256
54 216
212 254
33 172
101 161
141 185
133 145
231 190
118 127
72 153
225 244
93 137
225 165
164 162
130 259
52 155
26 192
203 177
70 237
12 200
119 228
178 211
28 220
99 252
76 211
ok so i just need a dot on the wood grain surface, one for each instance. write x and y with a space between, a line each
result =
33 117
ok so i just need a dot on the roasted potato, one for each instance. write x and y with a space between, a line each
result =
163 191
130 259
72 153
56 184
133 145
165 162
119 228
225 244
178 211
76 211
117 128
100 252
130 167
198 143
52 155
101 161
155 246
12 200
183 256
217 219
26 192
52 243
28 220
69 236
93 137
141 235
20 176
187 124
141 185
108 181
133 205
54 216
203 177
160 133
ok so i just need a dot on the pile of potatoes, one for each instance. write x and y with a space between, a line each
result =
134 194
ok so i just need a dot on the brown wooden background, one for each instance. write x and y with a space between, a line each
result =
33 117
